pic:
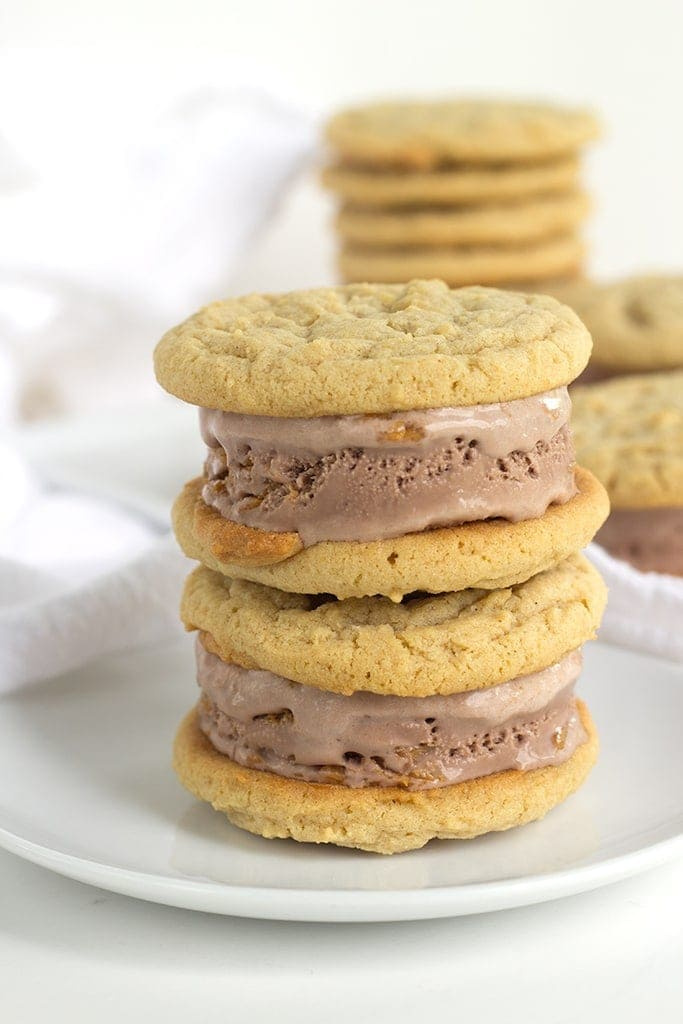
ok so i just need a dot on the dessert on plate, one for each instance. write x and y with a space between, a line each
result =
390 607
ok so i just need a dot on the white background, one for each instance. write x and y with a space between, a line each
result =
68 68
65 64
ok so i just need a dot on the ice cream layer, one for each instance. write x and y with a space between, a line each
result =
651 539
366 478
265 722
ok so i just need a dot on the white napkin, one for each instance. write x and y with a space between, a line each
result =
644 609
126 201
79 577
116 230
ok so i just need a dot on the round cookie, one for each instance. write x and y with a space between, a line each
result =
443 644
464 265
473 184
488 554
629 432
427 133
381 820
509 223
636 323
370 349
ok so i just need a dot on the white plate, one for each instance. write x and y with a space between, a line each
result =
89 793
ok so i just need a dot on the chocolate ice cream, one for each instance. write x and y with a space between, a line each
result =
266 722
361 478
651 539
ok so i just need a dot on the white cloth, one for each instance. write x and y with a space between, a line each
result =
113 233
50 624
118 217
79 577
644 609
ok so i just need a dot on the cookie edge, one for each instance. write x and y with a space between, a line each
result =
399 820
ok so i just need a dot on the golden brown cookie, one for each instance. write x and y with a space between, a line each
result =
629 432
489 554
636 323
448 643
473 184
371 348
427 133
381 820
508 223
464 265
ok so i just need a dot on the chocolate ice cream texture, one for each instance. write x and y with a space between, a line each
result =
266 722
363 478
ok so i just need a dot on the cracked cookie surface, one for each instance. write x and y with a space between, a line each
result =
442 644
371 349
629 432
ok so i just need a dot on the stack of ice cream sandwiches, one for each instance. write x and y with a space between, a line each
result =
470 191
391 603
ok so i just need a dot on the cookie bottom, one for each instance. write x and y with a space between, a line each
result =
380 820
490 554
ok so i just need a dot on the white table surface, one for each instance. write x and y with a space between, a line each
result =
69 952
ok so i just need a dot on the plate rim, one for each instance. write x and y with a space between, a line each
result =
344 905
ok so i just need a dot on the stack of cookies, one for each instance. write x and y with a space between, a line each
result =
390 606
630 432
636 323
468 191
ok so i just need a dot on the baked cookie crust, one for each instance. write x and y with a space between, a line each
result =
465 265
380 820
473 184
372 349
629 432
636 323
424 134
487 555
442 644
502 223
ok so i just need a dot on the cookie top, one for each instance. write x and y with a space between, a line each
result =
427 133
371 349
636 323
629 432
447 643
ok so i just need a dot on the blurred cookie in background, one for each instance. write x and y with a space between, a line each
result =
629 433
471 191
636 323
